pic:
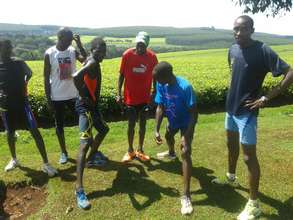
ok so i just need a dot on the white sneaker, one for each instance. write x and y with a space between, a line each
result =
250 212
186 206
166 155
63 158
51 171
13 163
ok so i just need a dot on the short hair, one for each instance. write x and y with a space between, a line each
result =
163 69
64 31
97 41
248 20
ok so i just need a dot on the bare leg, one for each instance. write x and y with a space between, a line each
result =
233 150
251 161
40 143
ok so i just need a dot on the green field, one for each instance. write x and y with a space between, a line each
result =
152 190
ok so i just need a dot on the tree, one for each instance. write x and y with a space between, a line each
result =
270 7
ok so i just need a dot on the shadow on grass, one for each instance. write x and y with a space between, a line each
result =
284 209
68 174
224 197
131 179
38 177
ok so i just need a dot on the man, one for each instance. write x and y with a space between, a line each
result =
15 109
176 99
88 83
59 64
249 61
136 70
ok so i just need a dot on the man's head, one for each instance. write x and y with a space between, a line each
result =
163 73
98 49
243 29
5 50
65 37
142 41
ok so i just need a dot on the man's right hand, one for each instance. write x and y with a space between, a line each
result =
158 138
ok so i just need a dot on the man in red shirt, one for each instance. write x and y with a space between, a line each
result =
136 74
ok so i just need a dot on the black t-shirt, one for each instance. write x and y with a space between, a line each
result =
12 82
249 67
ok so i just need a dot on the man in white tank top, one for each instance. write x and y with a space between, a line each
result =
59 64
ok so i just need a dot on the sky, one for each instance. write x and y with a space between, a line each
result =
113 13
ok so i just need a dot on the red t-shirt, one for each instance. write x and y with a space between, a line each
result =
137 72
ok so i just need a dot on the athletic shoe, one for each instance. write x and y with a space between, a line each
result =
96 162
13 163
226 181
186 206
141 156
129 156
251 211
101 156
63 158
51 171
166 155
81 199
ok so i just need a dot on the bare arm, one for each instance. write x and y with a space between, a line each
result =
282 86
120 84
159 119
81 57
47 72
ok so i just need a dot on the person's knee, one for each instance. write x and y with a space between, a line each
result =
185 153
249 160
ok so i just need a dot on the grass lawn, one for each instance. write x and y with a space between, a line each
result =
152 190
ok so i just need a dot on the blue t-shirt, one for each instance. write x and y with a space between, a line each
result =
177 99
249 67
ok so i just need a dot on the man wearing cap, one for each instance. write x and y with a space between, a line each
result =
136 74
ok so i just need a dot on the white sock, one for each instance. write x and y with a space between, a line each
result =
231 176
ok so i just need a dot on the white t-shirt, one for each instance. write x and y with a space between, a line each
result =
63 64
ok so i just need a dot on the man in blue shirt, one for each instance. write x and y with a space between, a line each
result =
249 61
176 99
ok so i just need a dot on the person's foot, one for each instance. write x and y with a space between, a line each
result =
141 156
101 156
63 158
166 155
13 163
226 181
186 206
129 156
251 211
81 199
51 171
96 162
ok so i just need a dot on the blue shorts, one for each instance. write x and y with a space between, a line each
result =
245 125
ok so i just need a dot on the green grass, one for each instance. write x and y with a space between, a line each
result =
151 191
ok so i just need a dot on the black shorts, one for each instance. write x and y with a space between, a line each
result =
19 116
132 110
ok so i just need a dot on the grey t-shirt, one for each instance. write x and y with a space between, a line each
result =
249 67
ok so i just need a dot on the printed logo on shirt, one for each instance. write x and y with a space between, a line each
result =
65 68
171 104
141 69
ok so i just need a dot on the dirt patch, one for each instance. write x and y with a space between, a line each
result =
20 200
